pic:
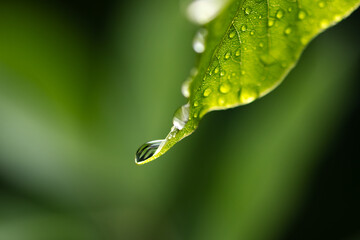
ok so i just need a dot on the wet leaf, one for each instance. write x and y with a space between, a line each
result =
246 52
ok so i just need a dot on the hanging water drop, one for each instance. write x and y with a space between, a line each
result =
243 28
148 150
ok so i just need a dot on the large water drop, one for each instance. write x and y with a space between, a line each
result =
148 150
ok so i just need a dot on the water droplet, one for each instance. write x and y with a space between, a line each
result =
337 18
271 22
243 28
324 23
301 14
225 88
243 72
321 4
221 101
199 40
238 52
267 59
185 87
216 70
252 33
232 34
248 95
288 30
222 73
227 55
207 92
304 40
260 17
148 150
181 116
248 10
261 45
290 9
196 103
195 114
280 14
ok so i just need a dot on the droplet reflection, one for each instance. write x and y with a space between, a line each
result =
147 150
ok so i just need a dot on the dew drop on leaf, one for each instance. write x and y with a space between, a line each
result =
288 30
247 10
225 88
207 92
232 34
324 23
301 14
321 4
271 22
221 101
243 28
227 55
279 14
267 59
248 95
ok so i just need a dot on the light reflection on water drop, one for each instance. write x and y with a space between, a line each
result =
181 116
147 150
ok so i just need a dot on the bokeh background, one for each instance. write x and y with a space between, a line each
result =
84 83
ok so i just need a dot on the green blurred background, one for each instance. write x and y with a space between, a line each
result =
83 84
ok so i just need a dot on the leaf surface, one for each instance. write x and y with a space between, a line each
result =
250 47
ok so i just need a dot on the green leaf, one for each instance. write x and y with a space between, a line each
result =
249 49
